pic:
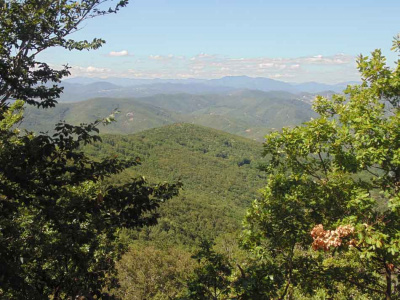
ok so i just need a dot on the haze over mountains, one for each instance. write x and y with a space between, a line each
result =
80 88
241 105
248 113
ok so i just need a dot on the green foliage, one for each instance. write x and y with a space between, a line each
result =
211 279
341 170
216 191
29 27
146 272
212 203
60 216
59 220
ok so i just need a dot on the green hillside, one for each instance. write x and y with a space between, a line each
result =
253 113
134 115
218 171
247 113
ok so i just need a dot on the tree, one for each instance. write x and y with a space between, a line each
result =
59 217
211 279
329 214
28 28
146 272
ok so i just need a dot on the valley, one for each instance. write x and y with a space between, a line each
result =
247 113
199 150
218 170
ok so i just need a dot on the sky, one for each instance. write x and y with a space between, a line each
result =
288 40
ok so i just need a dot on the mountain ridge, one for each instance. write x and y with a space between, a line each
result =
248 113
124 87
219 172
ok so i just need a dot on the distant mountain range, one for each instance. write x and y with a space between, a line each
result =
245 112
242 105
80 88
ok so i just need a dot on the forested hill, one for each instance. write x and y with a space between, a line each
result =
248 113
218 170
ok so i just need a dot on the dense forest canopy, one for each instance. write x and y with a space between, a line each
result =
77 219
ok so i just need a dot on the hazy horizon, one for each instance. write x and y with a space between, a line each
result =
291 41
201 79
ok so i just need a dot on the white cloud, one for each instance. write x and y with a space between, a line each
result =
328 69
266 65
91 71
310 68
119 53
198 67
164 58
156 57
203 56
337 59
279 76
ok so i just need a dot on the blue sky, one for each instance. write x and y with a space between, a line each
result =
294 41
